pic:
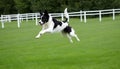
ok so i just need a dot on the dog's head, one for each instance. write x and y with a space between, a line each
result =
44 17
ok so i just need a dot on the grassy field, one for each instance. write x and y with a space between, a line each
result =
99 47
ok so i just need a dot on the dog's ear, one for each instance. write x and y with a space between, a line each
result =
40 13
46 12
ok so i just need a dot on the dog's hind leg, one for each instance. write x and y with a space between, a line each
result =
72 33
76 37
70 38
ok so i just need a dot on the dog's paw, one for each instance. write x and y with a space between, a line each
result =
37 37
78 39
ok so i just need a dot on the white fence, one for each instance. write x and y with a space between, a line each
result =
82 14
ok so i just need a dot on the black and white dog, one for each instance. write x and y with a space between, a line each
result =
51 25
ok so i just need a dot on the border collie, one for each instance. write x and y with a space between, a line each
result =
51 25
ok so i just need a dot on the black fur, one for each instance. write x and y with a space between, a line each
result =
44 17
68 29
56 23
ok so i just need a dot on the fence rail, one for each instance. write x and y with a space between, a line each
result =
35 16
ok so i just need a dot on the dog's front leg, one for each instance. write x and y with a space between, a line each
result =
42 32
38 36
49 30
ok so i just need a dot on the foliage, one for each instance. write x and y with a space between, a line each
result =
26 6
7 7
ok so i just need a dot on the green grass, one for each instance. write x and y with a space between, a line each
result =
99 47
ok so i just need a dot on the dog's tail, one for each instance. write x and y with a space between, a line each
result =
66 15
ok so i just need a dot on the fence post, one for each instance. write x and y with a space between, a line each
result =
18 20
113 14
9 18
27 17
85 16
62 16
81 16
2 21
36 19
100 16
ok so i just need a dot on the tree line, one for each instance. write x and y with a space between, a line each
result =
29 6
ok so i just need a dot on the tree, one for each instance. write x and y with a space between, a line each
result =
22 6
7 7
27 6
